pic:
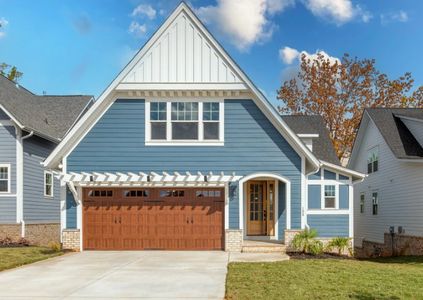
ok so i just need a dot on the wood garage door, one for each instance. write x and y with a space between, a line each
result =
153 218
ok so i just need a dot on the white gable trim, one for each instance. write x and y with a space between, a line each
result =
108 96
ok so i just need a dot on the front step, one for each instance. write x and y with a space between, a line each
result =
262 247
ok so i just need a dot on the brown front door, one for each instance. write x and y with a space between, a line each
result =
260 208
153 218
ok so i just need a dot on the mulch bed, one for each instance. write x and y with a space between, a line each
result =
299 255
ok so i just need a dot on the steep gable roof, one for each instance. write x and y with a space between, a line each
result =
322 146
130 78
48 116
395 133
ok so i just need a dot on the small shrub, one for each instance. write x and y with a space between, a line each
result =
305 241
55 246
6 242
23 242
340 244
316 247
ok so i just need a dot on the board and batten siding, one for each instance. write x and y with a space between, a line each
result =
182 54
8 156
252 144
400 191
37 207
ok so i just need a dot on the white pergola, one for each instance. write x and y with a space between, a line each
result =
152 179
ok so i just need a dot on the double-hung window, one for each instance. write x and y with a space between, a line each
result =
362 197
183 122
4 178
48 184
375 203
330 196
373 160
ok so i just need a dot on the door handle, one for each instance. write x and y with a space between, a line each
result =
187 220
192 220
120 220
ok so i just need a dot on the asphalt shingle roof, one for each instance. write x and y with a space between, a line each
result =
396 134
50 116
322 146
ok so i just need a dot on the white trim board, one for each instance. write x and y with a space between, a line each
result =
107 97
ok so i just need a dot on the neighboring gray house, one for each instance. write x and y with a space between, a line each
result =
389 148
30 128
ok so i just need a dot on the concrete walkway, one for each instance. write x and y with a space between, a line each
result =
120 275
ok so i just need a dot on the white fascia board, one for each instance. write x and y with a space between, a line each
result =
64 147
308 135
182 86
357 175
358 138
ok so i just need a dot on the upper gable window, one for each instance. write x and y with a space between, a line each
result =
372 160
182 122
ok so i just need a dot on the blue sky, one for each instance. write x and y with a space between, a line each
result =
78 47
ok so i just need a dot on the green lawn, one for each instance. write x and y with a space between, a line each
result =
393 278
14 257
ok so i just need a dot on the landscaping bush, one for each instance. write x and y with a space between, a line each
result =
55 246
340 244
306 242
8 242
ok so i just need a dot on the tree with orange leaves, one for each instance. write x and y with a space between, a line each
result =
339 90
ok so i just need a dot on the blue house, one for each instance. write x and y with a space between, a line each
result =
182 151
30 128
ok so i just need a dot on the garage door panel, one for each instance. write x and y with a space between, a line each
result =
135 219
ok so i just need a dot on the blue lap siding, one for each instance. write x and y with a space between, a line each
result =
37 207
8 156
252 144
329 225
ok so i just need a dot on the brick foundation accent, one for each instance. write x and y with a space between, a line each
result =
233 240
289 236
42 234
12 231
71 239
402 245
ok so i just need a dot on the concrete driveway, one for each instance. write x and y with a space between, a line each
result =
120 275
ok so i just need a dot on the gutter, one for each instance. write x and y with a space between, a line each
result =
21 186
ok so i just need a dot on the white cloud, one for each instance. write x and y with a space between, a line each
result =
144 9
313 56
3 24
337 11
243 22
400 16
288 55
137 29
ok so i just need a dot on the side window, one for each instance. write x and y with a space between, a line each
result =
373 160
158 113
330 197
375 203
48 184
362 202
4 179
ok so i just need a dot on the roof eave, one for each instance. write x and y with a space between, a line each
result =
356 176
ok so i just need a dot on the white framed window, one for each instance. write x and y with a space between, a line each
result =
373 160
329 200
375 203
5 178
48 184
362 198
184 122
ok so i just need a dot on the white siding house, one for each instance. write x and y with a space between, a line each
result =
396 184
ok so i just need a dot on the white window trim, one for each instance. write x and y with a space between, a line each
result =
52 184
364 203
371 149
323 182
373 192
169 141
9 170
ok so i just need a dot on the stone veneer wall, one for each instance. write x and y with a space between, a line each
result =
233 240
402 245
12 231
42 234
71 239
289 236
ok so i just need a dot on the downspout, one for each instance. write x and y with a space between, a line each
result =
21 186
